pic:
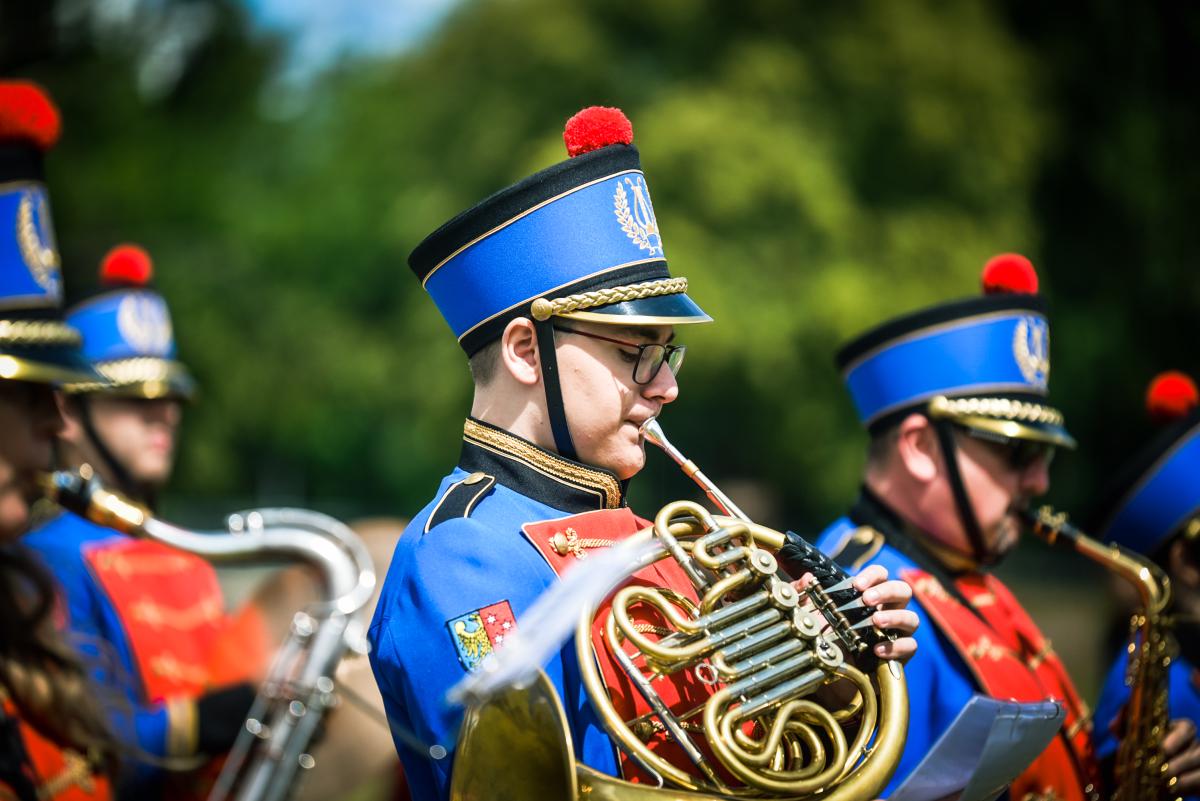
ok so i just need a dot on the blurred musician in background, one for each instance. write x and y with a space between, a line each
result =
1154 508
962 436
150 620
54 740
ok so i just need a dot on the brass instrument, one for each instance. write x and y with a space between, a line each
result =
272 748
1138 772
765 731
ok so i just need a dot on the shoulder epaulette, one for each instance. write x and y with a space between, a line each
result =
858 547
460 499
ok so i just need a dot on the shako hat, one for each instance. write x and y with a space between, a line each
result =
1158 493
35 344
981 362
127 332
578 239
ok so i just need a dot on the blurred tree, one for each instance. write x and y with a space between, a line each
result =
816 168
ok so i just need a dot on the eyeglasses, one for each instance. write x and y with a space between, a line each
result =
1019 454
651 356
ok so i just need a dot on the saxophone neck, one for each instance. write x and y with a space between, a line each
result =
1152 584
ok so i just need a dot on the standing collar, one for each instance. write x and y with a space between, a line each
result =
871 510
536 472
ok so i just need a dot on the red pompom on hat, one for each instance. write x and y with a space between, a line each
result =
1172 395
27 113
1009 273
596 127
126 265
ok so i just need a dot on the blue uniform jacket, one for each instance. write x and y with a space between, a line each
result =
1183 692
97 633
939 682
463 552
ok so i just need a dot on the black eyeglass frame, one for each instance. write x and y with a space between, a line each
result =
1019 454
666 350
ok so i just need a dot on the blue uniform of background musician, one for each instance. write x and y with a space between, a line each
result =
1154 509
955 399
149 620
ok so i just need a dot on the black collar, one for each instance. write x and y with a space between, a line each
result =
871 510
536 472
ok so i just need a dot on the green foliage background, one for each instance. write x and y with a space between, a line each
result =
816 168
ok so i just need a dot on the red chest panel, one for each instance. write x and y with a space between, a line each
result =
171 609
565 544
1010 659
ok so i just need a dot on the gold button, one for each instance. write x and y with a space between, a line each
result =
560 544
474 478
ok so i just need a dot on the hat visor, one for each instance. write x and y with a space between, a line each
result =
47 365
148 378
1047 433
674 309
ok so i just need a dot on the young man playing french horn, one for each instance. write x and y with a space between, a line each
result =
558 291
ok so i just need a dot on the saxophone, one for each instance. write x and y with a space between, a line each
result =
272 748
1139 770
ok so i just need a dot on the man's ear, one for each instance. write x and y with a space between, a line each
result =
917 448
519 351
72 430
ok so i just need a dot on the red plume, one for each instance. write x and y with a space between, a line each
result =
126 265
1009 273
27 113
1171 396
596 127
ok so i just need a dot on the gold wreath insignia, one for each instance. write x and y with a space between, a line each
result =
144 323
1031 349
637 220
36 241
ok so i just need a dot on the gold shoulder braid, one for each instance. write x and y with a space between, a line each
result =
544 309
38 332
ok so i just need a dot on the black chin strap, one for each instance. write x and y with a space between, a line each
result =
114 467
966 512
554 399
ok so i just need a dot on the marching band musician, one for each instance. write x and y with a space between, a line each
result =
1154 509
149 619
54 742
557 288
955 400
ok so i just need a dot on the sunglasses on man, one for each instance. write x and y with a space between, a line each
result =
651 356
1019 454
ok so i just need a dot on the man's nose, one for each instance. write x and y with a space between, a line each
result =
664 387
1035 479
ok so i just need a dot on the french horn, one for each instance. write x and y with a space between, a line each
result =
798 706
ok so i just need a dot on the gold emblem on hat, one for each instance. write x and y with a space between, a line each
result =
637 219
1031 349
145 324
36 240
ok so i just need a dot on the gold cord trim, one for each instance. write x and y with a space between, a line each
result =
569 542
556 467
135 371
38 332
545 308
1001 408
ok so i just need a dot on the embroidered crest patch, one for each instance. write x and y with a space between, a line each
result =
479 633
